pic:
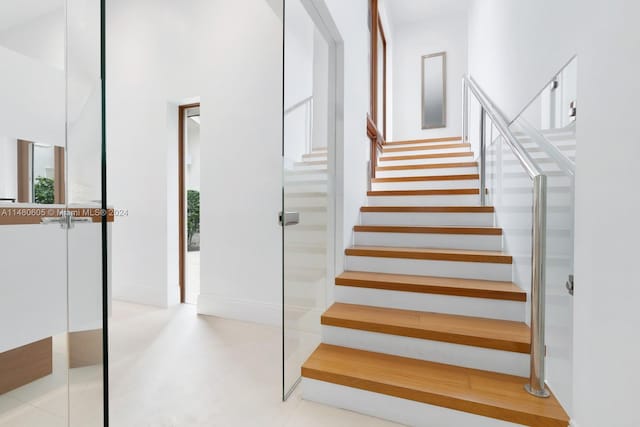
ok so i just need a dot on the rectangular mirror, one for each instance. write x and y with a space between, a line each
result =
434 96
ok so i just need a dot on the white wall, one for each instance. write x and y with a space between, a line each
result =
351 19
182 50
512 58
411 41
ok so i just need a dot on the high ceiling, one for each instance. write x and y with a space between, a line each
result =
406 11
18 12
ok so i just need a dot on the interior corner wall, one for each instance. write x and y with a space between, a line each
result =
411 41
512 58
153 64
351 19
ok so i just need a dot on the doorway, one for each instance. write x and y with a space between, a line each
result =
189 201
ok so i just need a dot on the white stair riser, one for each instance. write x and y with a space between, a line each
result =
454 269
310 166
307 158
424 144
446 200
305 236
448 304
426 172
311 217
305 176
421 161
426 240
403 411
425 185
505 362
303 200
305 188
414 152
427 219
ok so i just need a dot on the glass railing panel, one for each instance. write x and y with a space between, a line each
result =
547 130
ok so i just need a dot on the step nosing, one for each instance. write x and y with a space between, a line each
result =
430 254
450 336
429 209
460 177
439 384
458 230
433 192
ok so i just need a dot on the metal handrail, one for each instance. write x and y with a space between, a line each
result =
536 385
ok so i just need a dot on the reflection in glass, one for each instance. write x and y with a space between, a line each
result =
51 318
434 68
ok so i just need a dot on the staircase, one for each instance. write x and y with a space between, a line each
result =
427 328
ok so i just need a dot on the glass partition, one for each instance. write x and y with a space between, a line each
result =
52 229
307 188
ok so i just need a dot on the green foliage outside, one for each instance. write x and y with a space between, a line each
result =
43 191
193 215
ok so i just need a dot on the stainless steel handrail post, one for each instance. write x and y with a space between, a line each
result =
536 384
483 157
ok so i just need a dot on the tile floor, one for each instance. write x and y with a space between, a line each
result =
173 368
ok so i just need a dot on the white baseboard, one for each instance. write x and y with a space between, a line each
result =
240 309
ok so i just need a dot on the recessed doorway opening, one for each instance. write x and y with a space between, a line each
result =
189 201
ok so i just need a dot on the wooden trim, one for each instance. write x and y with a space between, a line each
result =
426 141
182 194
374 19
478 231
425 148
25 364
427 156
483 393
428 166
384 77
428 178
495 334
59 197
33 214
429 209
487 289
24 171
430 254
448 192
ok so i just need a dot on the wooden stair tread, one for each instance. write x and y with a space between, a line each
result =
480 231
424 141
474 391
433 285
443 192
428 178
430 254
473 331
427 156
429 209
428 166
424 147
